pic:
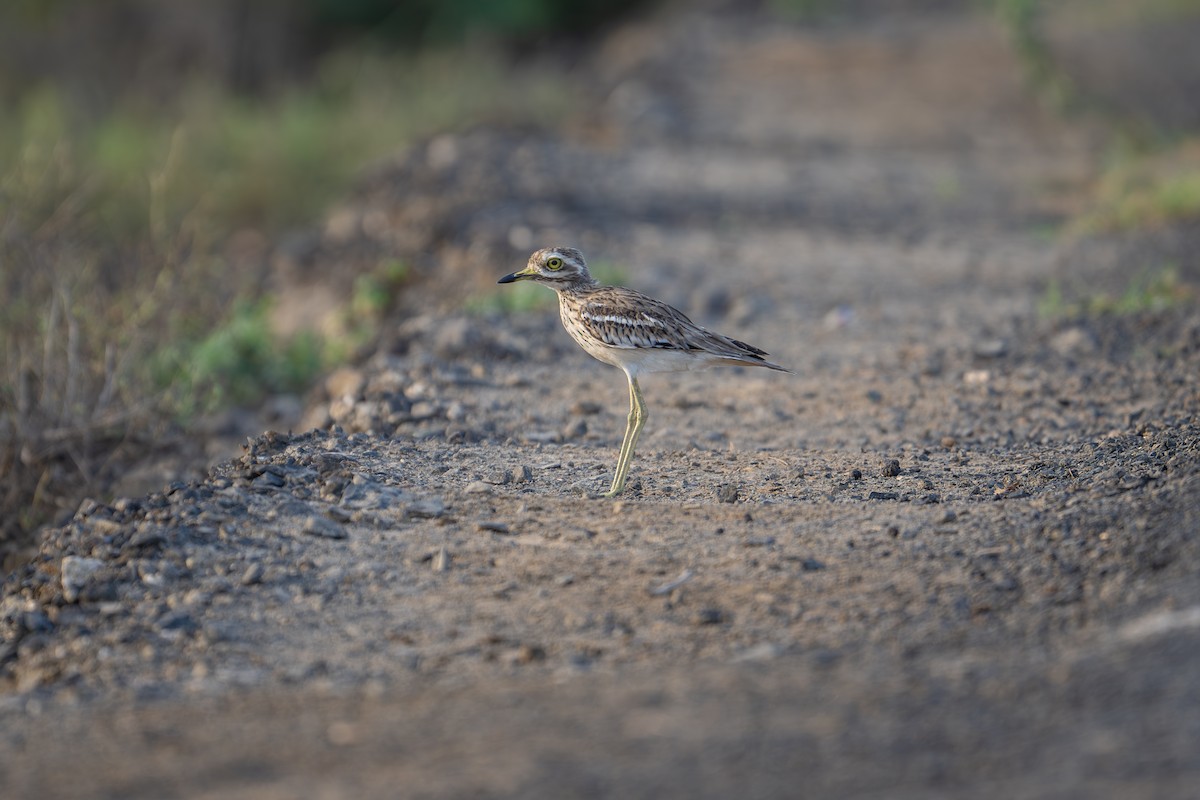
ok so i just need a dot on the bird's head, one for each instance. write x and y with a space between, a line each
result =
556 267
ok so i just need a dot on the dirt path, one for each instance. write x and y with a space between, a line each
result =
954 555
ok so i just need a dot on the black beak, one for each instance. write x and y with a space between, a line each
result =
509 278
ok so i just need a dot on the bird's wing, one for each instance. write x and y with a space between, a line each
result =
629 319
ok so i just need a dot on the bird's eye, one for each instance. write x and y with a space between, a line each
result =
554 263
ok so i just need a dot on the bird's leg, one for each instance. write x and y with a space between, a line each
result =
633 429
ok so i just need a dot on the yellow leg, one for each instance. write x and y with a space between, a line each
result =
633 429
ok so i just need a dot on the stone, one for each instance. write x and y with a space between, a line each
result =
316 525
76 573
426 508
252 575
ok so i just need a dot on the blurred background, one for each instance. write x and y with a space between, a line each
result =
164 166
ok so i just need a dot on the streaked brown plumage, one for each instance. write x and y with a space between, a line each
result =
632 331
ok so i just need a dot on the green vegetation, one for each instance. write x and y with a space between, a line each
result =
125 297
1151 290
1145 190
1022 20
1152 178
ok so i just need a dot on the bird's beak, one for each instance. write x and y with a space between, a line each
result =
524 274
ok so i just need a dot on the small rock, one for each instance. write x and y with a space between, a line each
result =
339 514
727 493
527 654
812 565
252 575
35 621
492 526
991 348
76 573
316 525
441 560
672 585
891 468
477 487
499 477
522 474
176 621
428 508
976 377
574 430
424 410
146 539
271 478
1072 341
856 474
710 616
883 496
105 527
759 652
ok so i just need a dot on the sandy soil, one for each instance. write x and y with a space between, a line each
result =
954 555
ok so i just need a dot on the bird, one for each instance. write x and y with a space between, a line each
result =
631 331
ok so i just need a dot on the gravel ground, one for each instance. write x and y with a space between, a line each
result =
954 555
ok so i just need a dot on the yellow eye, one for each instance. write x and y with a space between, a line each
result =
554 263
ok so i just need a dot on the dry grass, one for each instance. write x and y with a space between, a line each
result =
126 304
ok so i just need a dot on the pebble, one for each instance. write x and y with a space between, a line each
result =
146 539
883 496
991 348
492 526
1073 342
891 468
727 493
427 508
764 651
477 487
36 621
316 525
441 560
710 616
176 621
499 477
76 573
252 575
574 430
